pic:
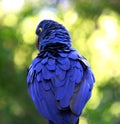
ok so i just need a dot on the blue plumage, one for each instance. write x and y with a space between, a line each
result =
60 80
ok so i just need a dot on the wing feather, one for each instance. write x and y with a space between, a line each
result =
64 63
82 92
61 90
60 83
64 103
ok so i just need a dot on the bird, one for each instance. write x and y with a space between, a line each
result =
60 80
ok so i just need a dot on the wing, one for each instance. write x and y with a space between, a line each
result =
59 83
83 89
76 88
40 73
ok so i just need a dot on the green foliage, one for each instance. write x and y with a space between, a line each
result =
94 27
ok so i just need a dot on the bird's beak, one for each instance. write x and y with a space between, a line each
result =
37 42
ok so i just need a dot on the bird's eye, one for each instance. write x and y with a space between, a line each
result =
40 30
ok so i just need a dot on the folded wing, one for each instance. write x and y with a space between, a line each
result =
60 83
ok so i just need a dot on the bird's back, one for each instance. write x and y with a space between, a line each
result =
60 86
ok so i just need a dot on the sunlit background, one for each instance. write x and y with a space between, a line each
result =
95 30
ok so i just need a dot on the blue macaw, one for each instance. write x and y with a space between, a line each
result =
60 80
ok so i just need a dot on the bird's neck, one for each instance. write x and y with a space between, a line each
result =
53 49
55 37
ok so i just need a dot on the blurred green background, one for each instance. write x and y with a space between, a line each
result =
94 26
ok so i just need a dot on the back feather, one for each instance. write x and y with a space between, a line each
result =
60 84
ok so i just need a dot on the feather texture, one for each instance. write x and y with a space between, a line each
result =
60 80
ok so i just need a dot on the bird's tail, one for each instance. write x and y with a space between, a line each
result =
67 118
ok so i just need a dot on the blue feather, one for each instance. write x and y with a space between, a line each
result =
50 67
64 64
44 61
82 94
47 74
66 99
73 55
79 100
39 77
60 80
35 61
46 84
60 74
61 90
51 62
63 54
38 67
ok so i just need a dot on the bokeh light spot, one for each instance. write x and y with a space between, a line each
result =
10 20
83 120
115 109
12 5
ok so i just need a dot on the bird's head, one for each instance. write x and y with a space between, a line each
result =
51 32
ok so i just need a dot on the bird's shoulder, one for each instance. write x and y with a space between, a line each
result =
48 66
